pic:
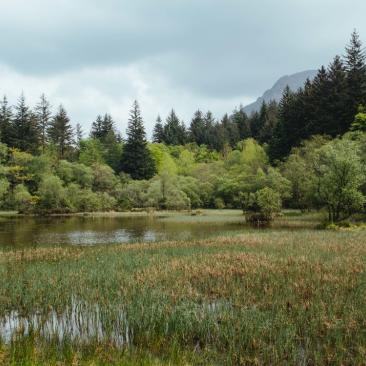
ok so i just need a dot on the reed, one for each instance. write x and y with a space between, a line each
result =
266 297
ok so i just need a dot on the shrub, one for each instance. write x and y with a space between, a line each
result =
262 205
52 195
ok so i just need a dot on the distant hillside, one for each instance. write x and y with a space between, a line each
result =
294 81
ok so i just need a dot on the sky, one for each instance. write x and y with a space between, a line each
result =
97 57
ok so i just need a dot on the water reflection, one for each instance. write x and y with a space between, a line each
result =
36 231
79 321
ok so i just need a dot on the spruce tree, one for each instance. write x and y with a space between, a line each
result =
232 135
97 128
240 118
209 126
262 119
79 135
158 132
107 127
337 91
174 130
271 120
43 114
318 117
281 142
197 129
356 75
137 160
24 128
61 133
6 116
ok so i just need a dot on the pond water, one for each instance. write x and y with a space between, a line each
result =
17 232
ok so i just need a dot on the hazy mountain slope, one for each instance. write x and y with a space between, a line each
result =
294 81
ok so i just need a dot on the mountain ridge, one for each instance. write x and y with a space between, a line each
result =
294 81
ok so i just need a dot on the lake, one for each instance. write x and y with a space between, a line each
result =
119 228
17 231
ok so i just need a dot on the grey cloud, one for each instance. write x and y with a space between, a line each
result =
205 49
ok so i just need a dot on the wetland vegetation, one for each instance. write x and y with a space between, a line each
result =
256 297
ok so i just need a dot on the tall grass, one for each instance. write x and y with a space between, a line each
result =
271 297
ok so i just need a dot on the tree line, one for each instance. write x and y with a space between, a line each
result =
306 152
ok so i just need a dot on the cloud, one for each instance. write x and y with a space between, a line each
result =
91 91
98 57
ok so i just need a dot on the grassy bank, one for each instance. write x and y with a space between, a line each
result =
271 297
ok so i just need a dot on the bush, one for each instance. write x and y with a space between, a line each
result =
23 200
262 205
52 195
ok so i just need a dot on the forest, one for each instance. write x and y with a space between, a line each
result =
306 152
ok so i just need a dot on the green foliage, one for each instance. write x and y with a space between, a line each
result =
4 189
339 175
60 132
262 206
104 179
52 194
136 157
163 159
91 152
359 124
85 200
23 200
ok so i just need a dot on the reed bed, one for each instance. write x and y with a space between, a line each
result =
265 297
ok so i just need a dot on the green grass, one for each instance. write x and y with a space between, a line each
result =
263 297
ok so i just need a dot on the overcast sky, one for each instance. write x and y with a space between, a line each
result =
97 56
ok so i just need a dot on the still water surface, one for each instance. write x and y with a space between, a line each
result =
17 232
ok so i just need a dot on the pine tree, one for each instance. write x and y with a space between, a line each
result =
317 117
6 116
356 75
198 129
337 91
240 118
108 128
79 134
174 130
61 133
137 160
24 128
261 122
97 128
232 136
158 132
43 114
281 143
271 120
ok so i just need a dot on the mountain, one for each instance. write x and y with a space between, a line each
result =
294 81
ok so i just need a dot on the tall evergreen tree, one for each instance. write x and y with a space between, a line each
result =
317 117
356 75
43 114
61 133
137 160
232 136
174 130
6 116
97 128
24 128
240 118
261 121
79 134
280 145
108 127
271 120
337 92
158 132
197 129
